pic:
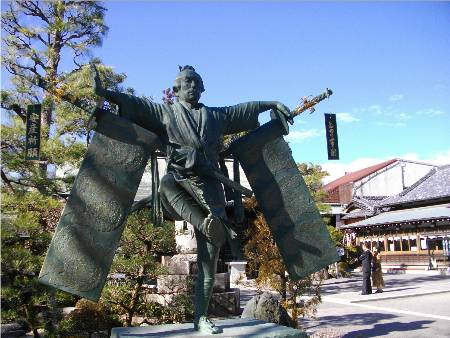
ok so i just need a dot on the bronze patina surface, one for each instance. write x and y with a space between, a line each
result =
290 211
89 231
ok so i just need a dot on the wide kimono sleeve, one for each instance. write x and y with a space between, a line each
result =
241 117
140 111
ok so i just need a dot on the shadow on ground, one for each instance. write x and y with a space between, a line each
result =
384 329
347 320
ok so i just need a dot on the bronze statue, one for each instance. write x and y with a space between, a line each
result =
193 134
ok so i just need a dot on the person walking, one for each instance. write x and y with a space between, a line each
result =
366 261
377 274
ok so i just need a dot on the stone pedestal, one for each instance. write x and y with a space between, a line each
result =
182 275
237 271
237 328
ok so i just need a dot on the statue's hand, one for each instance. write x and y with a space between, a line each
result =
97 83
281 108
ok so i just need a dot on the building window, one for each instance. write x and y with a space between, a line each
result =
391 244
405 243
439 244
413 243
424 243
374 243
381 244
397 246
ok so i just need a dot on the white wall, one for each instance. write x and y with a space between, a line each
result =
389 182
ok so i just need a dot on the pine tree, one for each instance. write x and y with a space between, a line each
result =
40 37
138 261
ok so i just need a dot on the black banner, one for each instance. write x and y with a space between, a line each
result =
33 137
332 137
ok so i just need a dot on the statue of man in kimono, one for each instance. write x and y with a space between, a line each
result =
189 191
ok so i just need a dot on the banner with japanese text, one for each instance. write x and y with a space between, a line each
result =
33 133
332 137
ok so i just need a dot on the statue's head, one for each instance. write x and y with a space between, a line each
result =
188 85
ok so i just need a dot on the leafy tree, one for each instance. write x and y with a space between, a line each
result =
50 40
39 39
27 221
138 258
264 257
87 318
313 175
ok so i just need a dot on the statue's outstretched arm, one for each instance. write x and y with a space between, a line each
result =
101 91
277 106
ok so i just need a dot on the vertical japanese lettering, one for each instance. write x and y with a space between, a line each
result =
33 133
332 137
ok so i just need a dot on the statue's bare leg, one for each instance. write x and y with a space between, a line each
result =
207 256
191 203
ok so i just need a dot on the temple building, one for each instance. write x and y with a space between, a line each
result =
372 184
410 228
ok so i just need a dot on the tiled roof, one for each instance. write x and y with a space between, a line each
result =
358 214
367 204
436 212
357 175
434 185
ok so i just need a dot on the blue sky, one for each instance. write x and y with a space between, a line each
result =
387 63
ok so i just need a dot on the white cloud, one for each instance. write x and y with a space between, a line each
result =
346 117
338 169
404 116
298 136
395 97
430 112
391 124
375 108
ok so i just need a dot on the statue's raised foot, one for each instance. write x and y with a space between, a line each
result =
203 324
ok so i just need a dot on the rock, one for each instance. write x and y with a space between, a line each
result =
267 307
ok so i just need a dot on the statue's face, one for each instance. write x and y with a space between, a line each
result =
190 88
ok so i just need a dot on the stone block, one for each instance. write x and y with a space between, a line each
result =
185 283
225 303
237 271
13 330
175 284
181 264
236 328
162 299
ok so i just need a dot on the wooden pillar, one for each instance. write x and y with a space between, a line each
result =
385 243
401 242
419 246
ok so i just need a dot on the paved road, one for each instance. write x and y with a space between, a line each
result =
411 306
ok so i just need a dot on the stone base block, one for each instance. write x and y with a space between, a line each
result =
225 303
181 264
222 303
185 283
240 328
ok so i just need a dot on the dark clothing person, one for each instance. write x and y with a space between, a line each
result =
377 274
366 260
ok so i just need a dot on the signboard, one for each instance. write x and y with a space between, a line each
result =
332 138
33 133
